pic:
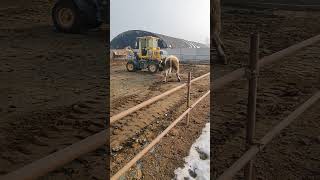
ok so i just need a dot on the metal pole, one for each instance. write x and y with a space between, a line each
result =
258 147
152 100
252 73
188 96
156 140
55 160
51 162
239 73
252 93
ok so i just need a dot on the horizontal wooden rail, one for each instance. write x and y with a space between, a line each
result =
152 100
295 7
55 160
239 73
156 140
255 149
61 157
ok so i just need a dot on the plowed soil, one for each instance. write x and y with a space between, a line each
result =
52 90
282 87
132 133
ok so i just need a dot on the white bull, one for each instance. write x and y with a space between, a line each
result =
168 64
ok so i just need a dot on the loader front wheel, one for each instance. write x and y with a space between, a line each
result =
66 17
130 66
153 68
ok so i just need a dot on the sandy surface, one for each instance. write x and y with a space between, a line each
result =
130 134
53 93
52 90
283 86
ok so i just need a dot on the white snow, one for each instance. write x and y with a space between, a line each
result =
195 167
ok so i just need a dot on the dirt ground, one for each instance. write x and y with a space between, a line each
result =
131 134
283 86
53 93
52 90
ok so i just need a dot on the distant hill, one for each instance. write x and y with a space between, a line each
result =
128 38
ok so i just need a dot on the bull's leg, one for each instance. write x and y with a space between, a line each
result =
165 76
179 78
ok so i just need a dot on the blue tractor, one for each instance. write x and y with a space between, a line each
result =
74 16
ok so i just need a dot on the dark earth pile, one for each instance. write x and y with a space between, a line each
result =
128 38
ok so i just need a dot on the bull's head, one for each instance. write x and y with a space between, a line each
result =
163 60
162 64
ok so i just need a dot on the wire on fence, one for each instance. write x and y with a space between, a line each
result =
156 140
239 73
55 160
51 162
255 149
152 100
44 165
247 159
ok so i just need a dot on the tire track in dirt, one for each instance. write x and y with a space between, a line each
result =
298 143
278 29
62 127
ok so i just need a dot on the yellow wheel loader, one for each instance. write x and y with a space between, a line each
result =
148 56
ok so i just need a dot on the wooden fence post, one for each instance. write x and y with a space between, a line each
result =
188 97
252 73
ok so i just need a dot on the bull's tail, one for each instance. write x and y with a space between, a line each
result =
170 69
178 67
178 70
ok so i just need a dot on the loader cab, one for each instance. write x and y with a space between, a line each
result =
148 48
143 45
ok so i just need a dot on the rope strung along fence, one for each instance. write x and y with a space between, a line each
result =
55 160
152 100
239 73
61 157
247 159
255 149
156 140
51 162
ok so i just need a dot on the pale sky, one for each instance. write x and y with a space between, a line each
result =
186 19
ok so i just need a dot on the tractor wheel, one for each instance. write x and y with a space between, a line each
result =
153 67
66 17
130 66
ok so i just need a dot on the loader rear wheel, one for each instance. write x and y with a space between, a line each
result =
130 67
66 17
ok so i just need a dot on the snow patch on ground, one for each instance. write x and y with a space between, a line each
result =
197 164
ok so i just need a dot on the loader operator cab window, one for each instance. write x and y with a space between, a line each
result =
144 52
143 44
155 44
